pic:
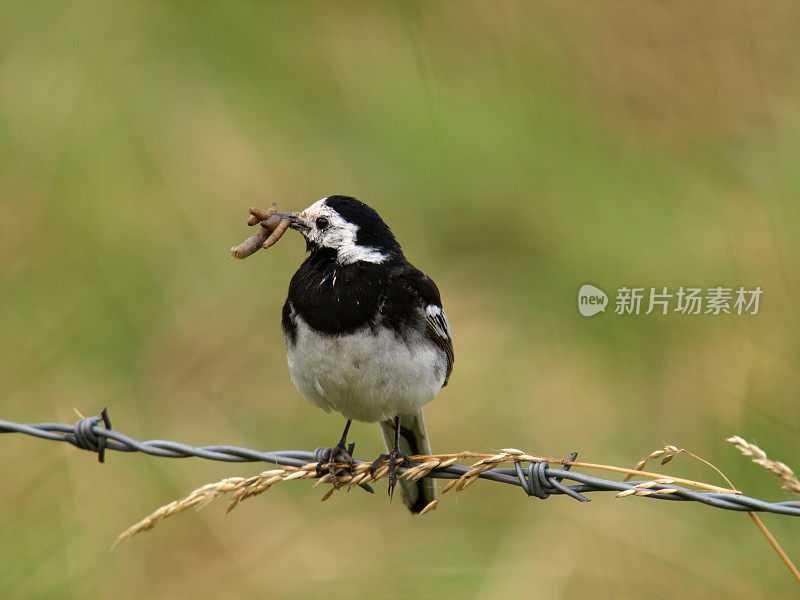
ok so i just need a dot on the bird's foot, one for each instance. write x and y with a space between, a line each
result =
330 460
396 457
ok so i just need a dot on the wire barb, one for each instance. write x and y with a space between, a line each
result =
85 438
538 484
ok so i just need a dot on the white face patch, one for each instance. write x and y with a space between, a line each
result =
339 234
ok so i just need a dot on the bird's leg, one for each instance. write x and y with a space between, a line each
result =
395 457
340 453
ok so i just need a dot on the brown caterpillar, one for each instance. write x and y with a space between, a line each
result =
271 230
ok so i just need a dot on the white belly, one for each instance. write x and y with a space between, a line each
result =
366 376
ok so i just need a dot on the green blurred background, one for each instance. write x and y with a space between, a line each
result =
518 150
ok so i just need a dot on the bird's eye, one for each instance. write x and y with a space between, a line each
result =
322 222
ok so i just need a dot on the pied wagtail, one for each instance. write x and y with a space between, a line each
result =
366 334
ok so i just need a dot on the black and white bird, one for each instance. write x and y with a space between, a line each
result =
365 332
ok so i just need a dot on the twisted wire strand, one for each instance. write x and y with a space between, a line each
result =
537 479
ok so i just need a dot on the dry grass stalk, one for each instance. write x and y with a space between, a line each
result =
645 488
774 543
790 481
651 475
668 452
242 488
199 497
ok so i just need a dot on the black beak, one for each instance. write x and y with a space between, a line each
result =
294 221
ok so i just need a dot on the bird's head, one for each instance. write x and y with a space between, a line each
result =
341 223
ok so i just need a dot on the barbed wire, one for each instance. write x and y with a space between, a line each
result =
537 478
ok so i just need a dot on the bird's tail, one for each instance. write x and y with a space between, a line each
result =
413 440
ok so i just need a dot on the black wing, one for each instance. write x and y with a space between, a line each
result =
439 331
426 293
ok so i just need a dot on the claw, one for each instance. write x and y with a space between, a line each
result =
330 457
396 458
